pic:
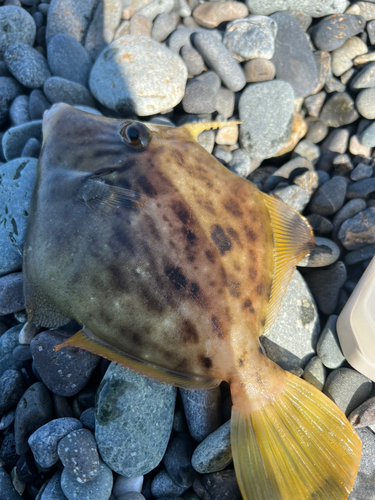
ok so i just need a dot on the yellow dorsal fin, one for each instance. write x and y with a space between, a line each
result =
85 339
293 239
196 128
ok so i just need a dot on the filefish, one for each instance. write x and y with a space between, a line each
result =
174 267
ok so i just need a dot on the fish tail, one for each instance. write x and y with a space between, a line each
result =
299 447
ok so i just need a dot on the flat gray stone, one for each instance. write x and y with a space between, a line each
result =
325 252
315 8
365 78
27 65
266 111
329 197
134 417
333 31
62 18
214 453
16 25
315 373
15 138
59 89
328 348
347 388
360 255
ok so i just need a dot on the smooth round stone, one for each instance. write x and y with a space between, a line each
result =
163 26
27 65
221 484
68 59
365 103
368 136
347 388
15 138
34 409
314 103
125 485
8 342
363 485
317 131
359 230
364 415
325 252
79 456
293 58
200 93
222 155
320 224
140 26
11 390
339 110
134 417
307 149
332 32
193 60
294 196
297 319
59 89
342 58
356 148
8 419
132 495
38 104
329 197
266 111
63 19
177 460
227 136
7 491
210 15
251 38
240 163
98 488
88 418
351 208
224 102
315 373
361 189
259 70
43 442
153 9
328 347
365 78
9 90
65 372
31 149
325 285
220 60
11 294
22 353
214 453
163 486
139 75
316 8
206 139
337 141
16 26
53 490
360 255
17 181
19 110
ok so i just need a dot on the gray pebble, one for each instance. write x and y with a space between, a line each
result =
323 65
315 373
19 111
27 65
325 252
303 19
7 491
328 348
371 31
347 388
317 8
368 136
163 486
8 342
11 294
360 255
9 90
339 110
200 94
361 189
325 285
220 60
8 419
177 459
224 102
63 19
266 111
358 231
307 149
68 59
4 71
180 38
363 485
193 60
11 390
365 103
365 78
88 418
321 225
22 353
132 495
240 163
98 488
314 103
103 25
53 490
214 453
79 455
222 155
317 131
163 26
259 70
329 197
337 141
206 139
15 138
342 164
140 26
364 415
293 58
16 26
333 31
61 90
31 149
125 485
219 485
351 208
38 103
342 58
154 8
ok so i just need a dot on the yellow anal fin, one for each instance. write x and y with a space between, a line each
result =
301 447
84 339
293 239
197 128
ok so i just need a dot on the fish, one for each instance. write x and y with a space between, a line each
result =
173 266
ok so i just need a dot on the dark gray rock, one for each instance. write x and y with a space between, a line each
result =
79 455
328 347
325 252
22 353
333 31
63 19
53 489
38 104
8 454
320 224
34 409
177 460
351 208
68 59
360 255
221 485
27 471
98 488
19 111
7 492
44 441
163 486
27 65
214 453
88 418
16 25
293 58
8 419
9 90
329 197
31 149
315 373
8 342
361 189
15 138
65 372
365 78
11 294
11 390
347 388
200 94
61 90
134 417
124 485
371 31
359 230
339 110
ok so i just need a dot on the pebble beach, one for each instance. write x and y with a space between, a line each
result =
300 77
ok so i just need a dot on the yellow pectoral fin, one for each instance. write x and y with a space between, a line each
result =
84 339
293 239
196 128
300 447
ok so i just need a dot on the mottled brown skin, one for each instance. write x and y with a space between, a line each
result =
182 281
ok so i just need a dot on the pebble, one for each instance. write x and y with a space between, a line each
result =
210 15
22 353
356 148
299 129
177 460
59 89
339 110
347 388
19 110
68 59
8 342
293 58
360 255
350 209
342 164
369 57
34 409
364 415
307 149
79 455
193 60
103 26
132 495
43 442
11 390
11 294
206 139
63 19
217 57
214 453
222 155
88 418
134 417
366 10
325 252
16 26
365 103
317 131
8 455
328 348
8 419
329 197
365 78
251 38
65 372
367 138
259 70
163 486
291 339
7 492
224 102
361 189
371 31
27 65
53 490
294 196
266 111
125 485
325 285
363 485
15 138
26 470
227 136
314 103
315 373
31 149
17 179
38 104
9 90
321 225
337 141
240 163
359 230
162 82
317 8
155 8
140 26
163 26
200 93
332 32
342 58
99 488
220 485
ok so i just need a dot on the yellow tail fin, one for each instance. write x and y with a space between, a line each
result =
301 447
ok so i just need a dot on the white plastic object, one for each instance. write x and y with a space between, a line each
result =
356 325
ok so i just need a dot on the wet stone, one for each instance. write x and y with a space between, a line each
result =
333 31
65 372
177 460
43 442
315 373
325 252
19 110
27 65
8 342
214 453
59 89
359 230
259 70
16 26
321 225
11 390
99 488
347 388
329 197
339 110
328 347
38 103
7 491
11 294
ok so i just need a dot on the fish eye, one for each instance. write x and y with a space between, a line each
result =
135 134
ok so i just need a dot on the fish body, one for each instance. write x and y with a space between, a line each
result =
175 266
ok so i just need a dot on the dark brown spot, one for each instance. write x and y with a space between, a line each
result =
181 211
217 328
189 333
152 227
178 156
253 273
234 287
165 218
251 235
153 303
136 339
240 362
248 305
194 289
146 186
234 235
176 277
233 208
116 279
260 289
190 236
210 256
208 206
205 361
222 242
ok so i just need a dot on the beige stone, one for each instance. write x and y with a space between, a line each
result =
259 70
140 25
227 136
211 14
342 58
369 57
356 148
299 129
122 30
